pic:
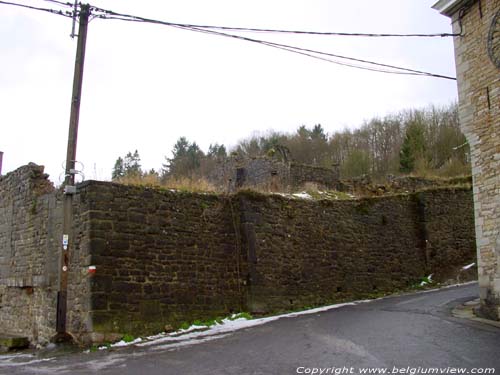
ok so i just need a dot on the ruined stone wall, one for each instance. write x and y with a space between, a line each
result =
365 186
447 216
304 253
165 257
161 257
269 174
29 228
325 178
479 109
260 172
30 245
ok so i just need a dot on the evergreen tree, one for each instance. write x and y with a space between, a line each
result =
217 151
186 159
132 164
118 170
413 147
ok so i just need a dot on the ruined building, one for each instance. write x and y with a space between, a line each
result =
271 174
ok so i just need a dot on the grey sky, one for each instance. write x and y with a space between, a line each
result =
147 85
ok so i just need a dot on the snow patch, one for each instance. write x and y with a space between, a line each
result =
302 195
123 343
227 326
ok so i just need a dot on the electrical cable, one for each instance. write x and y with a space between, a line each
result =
60 3
53 11
307 52
249 29
303 51
372 66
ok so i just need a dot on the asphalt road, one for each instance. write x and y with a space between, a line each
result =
407 334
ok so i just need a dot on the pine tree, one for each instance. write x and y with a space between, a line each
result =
118 170
413 148
132 166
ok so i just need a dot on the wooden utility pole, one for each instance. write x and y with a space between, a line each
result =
70 171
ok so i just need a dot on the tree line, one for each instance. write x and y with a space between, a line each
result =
424 141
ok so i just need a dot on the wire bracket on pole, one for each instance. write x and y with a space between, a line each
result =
73 27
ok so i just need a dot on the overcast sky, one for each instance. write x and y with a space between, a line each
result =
147 85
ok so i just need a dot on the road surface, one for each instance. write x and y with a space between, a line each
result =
408 334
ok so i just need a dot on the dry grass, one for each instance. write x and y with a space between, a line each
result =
182 184
189 184
146 180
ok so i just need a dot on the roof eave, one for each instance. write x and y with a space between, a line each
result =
448 7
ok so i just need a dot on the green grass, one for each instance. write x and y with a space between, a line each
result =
244 315
128 338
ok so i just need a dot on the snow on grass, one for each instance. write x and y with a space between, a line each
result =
125 343
228 325
302 195
197 334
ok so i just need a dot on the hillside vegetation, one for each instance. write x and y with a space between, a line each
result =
421 142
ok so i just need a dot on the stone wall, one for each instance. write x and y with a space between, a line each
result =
161 257
365 186
325 178
268 174
29 228
164 257
304 253
30 245
479 109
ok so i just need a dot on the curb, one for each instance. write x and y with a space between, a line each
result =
466 311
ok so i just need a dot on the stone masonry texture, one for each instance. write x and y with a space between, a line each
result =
166 257
479 105
30 238
27 261
268 174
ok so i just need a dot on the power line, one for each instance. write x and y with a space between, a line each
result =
280 31
373 66
48 10
319 55
59 3
308 52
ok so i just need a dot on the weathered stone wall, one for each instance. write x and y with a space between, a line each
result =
161 257
365 186
29 227
325 178
479 108
270 174
447 217
30 245
79 320
164 257
260 172
303 252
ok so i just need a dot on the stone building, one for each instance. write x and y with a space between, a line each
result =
477 56
271 174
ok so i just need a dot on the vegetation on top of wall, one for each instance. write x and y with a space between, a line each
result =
421 142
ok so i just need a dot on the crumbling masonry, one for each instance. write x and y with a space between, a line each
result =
163 257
